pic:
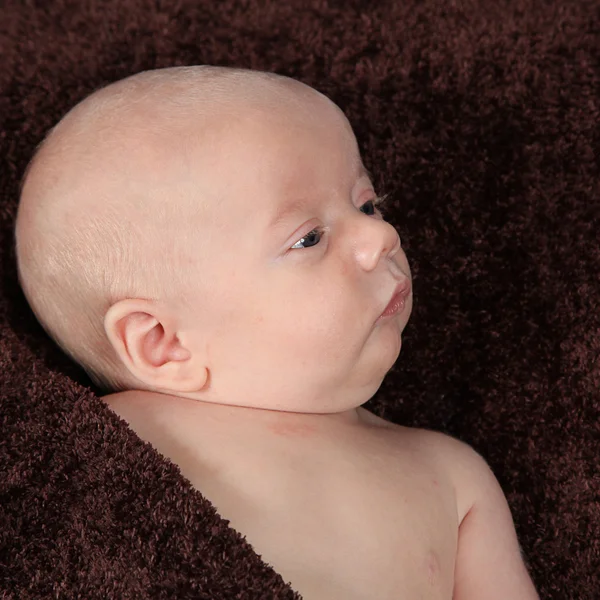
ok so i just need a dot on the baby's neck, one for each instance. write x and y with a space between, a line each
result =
229 415
233 438
263 416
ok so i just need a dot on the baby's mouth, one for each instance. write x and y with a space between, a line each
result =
398 301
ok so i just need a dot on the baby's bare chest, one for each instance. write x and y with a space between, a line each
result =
361 521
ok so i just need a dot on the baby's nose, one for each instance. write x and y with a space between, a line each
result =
396 247
381 242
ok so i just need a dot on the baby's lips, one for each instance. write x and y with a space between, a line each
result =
402 291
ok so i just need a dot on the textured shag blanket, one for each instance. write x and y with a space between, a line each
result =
481 120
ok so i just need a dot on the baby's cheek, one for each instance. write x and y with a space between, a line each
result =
344 268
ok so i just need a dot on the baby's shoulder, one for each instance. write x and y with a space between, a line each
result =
466 469
440 447
453 461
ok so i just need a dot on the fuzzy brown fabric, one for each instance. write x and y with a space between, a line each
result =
481 119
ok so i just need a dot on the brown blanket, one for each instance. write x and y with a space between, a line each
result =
481 119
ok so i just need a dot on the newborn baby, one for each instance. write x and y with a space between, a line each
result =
207 243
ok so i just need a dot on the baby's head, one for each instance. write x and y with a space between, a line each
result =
210 233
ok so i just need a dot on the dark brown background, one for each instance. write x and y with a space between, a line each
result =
481 119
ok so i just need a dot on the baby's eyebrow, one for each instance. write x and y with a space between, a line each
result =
283 213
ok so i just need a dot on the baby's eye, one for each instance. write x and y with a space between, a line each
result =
377 202
370 206
312 238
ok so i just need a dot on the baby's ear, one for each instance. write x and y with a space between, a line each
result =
147 344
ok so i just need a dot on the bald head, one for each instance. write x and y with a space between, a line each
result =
106 195
136 131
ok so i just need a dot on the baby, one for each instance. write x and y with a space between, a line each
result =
207 243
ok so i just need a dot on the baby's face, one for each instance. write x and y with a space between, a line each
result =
299 268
